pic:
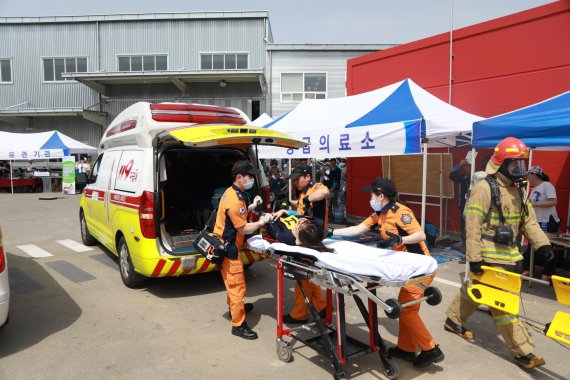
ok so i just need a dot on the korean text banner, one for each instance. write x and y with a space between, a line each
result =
372 140
38 154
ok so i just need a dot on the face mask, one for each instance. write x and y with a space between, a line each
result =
375 206
249 184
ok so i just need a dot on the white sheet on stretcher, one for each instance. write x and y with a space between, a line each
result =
359 259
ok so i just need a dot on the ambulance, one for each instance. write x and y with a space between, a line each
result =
158 180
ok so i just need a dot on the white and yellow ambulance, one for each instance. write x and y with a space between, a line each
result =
158 179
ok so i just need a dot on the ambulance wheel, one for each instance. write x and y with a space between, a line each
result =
433 296
86 237
396 308
284 352
391 369
130 278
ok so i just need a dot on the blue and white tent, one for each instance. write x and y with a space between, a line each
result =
544 125
391 120
42 145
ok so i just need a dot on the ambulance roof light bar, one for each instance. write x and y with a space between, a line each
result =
195 113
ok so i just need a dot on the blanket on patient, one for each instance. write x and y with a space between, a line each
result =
359 259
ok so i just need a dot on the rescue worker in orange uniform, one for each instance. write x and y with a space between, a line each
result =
231 227
492 229
312 200
400 231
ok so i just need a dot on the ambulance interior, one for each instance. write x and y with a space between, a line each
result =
192 181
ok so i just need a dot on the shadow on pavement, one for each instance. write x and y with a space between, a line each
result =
39 307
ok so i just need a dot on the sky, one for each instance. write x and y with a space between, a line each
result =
307 21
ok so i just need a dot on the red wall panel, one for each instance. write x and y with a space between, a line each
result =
498 66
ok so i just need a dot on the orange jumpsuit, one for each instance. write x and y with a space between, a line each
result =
232 214
399 219
314 292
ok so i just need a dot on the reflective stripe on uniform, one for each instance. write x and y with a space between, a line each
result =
505 319
476 209
513 217
501 254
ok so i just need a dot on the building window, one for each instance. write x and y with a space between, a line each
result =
226 61
143 63
298 86
54 67
5 71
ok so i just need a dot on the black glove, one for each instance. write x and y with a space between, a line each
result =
330 232
547 252
390 242
306 204
475 267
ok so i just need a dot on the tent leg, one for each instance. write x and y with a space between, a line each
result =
424 186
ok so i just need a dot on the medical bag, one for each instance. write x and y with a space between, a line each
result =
209 244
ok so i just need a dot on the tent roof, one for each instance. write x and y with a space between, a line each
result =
262 120
401 101
43 140
542 125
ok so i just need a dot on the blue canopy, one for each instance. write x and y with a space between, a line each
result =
541 125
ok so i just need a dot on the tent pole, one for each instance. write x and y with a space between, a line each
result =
290 182
440 193
424 186
11 177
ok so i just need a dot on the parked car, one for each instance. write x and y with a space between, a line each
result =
4 285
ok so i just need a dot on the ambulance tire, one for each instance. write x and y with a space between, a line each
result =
130 278
86 236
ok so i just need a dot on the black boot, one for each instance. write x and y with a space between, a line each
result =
287 318
397 352
244 331
428 357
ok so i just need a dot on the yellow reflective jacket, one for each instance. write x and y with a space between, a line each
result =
479 232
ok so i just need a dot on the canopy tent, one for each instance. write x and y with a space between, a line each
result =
43 145
262 120
541 125
544 126
391 120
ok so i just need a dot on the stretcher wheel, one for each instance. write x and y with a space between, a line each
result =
284 352
391 369
396 308
433 296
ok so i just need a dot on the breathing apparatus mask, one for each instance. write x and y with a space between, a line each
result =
514 169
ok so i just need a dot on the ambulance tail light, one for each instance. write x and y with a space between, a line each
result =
195 113
146 215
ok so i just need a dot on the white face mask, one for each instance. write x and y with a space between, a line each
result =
375 206
249 184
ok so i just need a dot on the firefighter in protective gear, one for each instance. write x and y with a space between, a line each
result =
400 230
231 227
496 212
312 200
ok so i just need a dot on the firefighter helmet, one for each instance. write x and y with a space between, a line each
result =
508 148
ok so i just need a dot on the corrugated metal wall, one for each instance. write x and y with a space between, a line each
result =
182 40
26 44
332 63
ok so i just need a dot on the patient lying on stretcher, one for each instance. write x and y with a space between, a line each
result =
295 229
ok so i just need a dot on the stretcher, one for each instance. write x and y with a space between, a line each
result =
500 289
352 270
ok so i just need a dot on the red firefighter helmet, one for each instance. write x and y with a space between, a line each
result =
509 147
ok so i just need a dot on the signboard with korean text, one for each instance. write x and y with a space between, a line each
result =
373 140
39 154
68 175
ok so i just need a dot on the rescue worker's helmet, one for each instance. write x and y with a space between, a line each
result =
509 159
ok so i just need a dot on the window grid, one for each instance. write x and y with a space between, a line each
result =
5 71
143 62
298 86
55 67
224 61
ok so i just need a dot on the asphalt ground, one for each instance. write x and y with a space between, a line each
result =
72 318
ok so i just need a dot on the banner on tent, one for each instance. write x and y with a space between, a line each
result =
40 154
372 140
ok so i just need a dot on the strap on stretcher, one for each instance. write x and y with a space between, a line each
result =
500 289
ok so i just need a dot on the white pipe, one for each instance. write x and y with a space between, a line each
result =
424 186
450 52
11 177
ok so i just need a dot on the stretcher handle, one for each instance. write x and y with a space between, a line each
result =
532 279
413 302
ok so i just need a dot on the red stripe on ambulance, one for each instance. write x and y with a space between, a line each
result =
174 267
158 268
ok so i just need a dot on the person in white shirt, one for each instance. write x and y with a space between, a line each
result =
543 200
83 166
